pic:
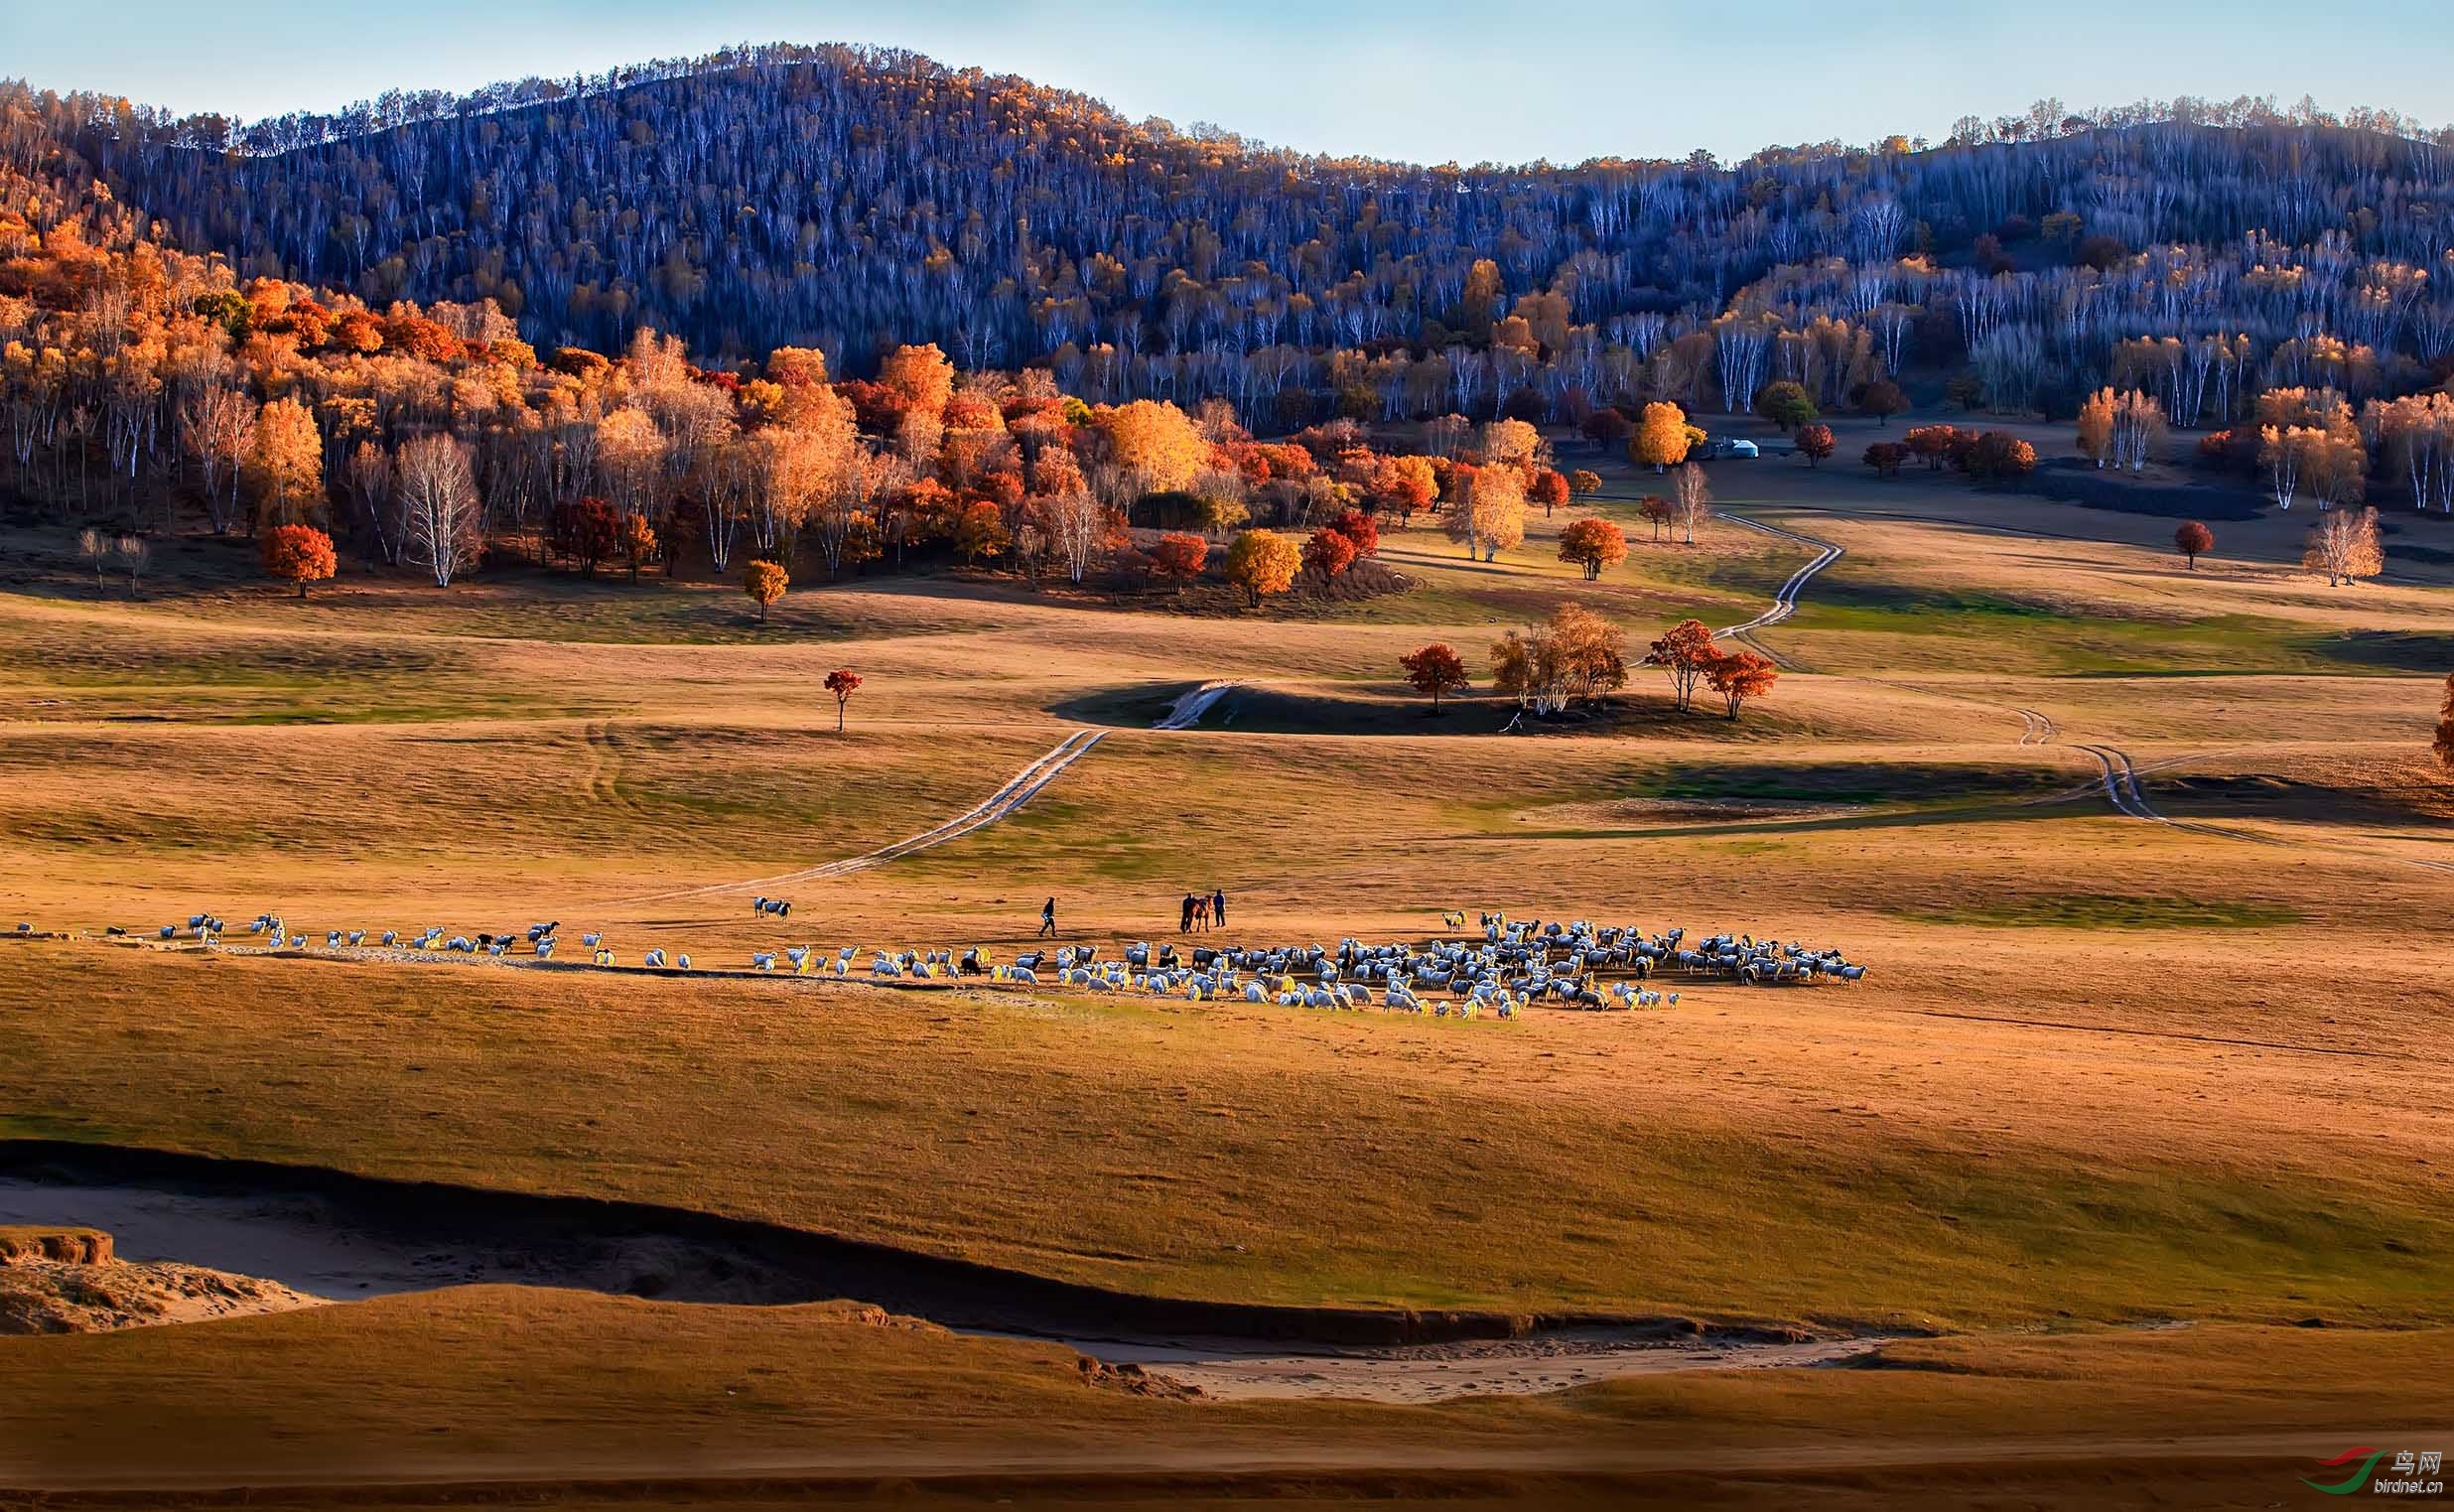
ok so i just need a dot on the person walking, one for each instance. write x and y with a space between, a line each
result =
1218 907
1047 919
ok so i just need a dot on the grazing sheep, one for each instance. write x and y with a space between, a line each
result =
653 958
682 962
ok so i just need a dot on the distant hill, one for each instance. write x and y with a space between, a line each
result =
854 200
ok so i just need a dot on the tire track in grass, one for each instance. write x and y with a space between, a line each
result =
1016 791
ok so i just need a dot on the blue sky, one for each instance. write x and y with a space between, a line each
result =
1428 80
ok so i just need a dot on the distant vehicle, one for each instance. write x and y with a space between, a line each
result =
1726 450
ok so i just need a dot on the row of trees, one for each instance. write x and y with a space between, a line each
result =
1577 656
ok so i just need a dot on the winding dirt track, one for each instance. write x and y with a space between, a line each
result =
997 805
1186 712
1785 599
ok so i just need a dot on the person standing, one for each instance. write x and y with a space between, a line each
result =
1184 926
1218 907
1047 919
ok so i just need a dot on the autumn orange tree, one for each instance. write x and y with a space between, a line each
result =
1592 543
1738 676
1814 442
1585 483
299 553
1437 669
843 682
638 543
1180 556
2194 540
979 531
1683 652
1262 563
765 583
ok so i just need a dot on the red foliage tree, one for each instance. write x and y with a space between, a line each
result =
1328 552
1549 489
1437 669
1359 528
1816 442
2194 540
1180 556
843 682
299 553
1885 456
1685 651
588 532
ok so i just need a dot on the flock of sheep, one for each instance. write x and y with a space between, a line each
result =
1514 965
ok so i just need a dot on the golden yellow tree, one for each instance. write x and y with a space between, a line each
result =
1157 445
765 583
1662 437
1263 562
1489 515
284 464
2095 427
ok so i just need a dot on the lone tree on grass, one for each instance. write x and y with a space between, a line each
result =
843 682
1684 652
1263 562
299 553
765 583
95 547
1815 441
1663 438
1592 543
1691 499
2344 546
2194 540
1740 674
1548 488
1438 668
1585 483
1656 511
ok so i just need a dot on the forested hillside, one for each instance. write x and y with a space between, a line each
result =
855 201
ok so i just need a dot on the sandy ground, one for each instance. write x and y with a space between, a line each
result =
1553 1361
